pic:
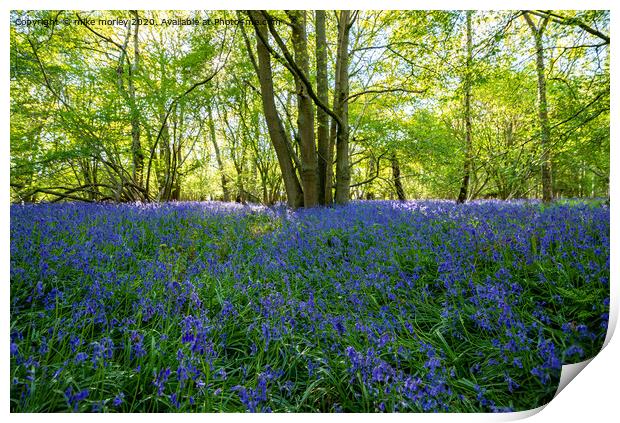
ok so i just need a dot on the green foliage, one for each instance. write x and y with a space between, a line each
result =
71 106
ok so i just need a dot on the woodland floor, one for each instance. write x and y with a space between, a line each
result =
374 306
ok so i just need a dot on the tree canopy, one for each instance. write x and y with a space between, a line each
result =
308 107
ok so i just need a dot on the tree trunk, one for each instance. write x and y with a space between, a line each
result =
468 141
261 164
218 156
331 142
305 111
274 123
341 106
88 173
324 158
175 190
398 185
136 148
163 168
173 160
543 112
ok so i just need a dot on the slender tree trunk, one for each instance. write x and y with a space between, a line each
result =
176 190
274 123
163 171
264 191
398 185
238 164
582 175
343 171
468 139
218 156
175 193
261 163
237 154
94 166
324 158
543 110
89 178
331 143
173 161
136 148
545 129
305 111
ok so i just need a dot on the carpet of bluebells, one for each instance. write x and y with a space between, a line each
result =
379 306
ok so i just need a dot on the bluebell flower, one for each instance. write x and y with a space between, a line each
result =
574 350
81 357
74 399
174 400
118 399
160 380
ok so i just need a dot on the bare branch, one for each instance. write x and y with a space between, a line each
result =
174 102
387 90
563 20
292 66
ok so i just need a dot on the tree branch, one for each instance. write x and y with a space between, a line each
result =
387 90
174 102
375 176
563 20
292 66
